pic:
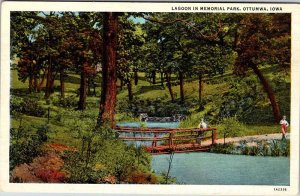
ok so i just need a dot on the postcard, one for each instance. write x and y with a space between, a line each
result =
150 98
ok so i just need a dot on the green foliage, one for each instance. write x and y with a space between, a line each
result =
230 127
155 107
163 179
241 99
101 155
42 133
262 148
27 106
228 148
266 148
23 146
67 102
79 172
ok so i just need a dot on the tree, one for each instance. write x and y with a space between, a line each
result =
130 40
25 48
263 39
192 44
109 74
231 127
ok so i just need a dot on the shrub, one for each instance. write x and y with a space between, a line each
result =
243 99
45 168
230 127
42 133
16 104
67 102
27 106
275 148
103 158
227 148
138 177
24 148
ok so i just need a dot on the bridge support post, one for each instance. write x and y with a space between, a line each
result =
213 136
171 140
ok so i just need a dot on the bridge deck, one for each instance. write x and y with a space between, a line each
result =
193 147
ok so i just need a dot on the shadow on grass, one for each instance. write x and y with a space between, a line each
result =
19 91
145 89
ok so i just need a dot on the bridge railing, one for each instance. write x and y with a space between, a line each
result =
195 134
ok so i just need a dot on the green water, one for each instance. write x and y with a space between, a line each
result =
220 169
217 169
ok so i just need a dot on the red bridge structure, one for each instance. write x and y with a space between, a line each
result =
173 139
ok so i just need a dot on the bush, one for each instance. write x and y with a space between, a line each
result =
23 148
27 106
138 177
242 100
67 102
266 148
227 148
45 168
16 104
103 158
230 127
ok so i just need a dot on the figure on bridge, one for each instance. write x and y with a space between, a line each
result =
284 125
202 125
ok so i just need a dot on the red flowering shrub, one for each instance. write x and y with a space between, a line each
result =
139 177
45 168
61 147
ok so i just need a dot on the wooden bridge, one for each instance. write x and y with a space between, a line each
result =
174 139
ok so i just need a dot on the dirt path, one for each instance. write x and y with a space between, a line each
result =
251 140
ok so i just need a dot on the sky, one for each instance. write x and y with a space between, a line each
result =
137 20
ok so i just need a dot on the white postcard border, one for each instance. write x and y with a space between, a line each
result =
145 189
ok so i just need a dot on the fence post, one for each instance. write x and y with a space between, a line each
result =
170 139
214 136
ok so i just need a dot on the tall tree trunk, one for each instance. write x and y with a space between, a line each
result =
62 82
136 77
153 76
30 83
162 78
269 91
181 83
83 89
129 88
49 78
200 88
109 74
169 85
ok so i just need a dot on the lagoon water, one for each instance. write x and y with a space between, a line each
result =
219 169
